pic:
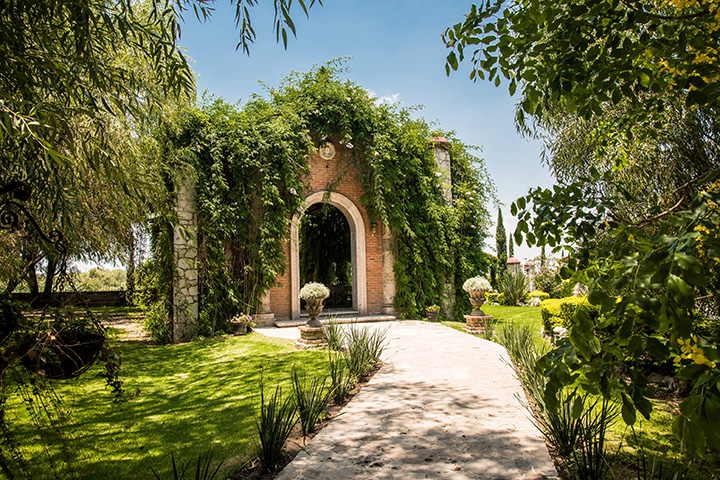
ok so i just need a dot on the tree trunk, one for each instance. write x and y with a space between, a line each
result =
50 276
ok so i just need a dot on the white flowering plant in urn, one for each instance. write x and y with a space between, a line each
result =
314 293
477 284
314 290
476 287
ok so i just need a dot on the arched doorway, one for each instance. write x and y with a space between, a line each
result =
357 249
325 255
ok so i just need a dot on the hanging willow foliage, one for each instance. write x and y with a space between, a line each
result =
251 163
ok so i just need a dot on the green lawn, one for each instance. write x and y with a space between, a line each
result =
505 315
191 397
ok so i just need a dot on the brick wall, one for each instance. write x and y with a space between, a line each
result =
323 175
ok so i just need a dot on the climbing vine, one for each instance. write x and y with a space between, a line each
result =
251 167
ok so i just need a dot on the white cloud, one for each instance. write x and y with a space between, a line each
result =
393 98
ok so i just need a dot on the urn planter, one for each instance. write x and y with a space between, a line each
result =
314 307
477 298
239 328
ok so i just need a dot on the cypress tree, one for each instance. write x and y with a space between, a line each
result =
511 246
501 246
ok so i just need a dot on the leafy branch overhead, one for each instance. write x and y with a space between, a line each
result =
625 96
585 54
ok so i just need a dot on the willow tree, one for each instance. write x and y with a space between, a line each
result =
83 83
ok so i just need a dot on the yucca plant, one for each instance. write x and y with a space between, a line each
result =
274 424
365 346
203 468
334 334
341 380
513 286
311 398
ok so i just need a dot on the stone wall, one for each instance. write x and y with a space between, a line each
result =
185 288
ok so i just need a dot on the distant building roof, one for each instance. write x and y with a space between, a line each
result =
445 143
529 263
513 260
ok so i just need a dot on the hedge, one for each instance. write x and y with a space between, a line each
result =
495 297
561 311
537 294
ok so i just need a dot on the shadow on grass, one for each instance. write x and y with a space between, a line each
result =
191 397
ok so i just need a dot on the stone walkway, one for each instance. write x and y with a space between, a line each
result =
443 406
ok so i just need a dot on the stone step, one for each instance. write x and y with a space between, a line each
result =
339 319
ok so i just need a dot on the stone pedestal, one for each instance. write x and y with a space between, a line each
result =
311 337
479 324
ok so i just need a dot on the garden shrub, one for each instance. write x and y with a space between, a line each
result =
704 326
547 280
561 311
158 323
537 294
494 297
513 286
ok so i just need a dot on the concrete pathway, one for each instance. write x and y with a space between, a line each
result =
443 406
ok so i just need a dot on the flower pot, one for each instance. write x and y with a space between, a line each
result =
239 328
61 355
477 298
433 316
314 306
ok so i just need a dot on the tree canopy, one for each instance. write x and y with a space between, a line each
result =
622 89
84 85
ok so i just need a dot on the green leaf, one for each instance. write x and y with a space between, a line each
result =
452 61
628 411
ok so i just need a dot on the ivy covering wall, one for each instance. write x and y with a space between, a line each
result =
251 162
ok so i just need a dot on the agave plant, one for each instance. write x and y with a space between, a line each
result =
513 286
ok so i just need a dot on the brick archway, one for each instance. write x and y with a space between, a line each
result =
357 248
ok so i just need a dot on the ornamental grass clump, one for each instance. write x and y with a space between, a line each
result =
477 284
314 290
365 346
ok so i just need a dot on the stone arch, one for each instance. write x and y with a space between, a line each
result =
357 248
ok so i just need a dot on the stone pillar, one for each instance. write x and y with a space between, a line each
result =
185 288
443 160
265 317
388 274
441 149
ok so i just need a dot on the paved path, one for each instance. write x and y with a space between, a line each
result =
442 406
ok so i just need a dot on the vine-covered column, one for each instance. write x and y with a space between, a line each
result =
185 288
388 274
441 149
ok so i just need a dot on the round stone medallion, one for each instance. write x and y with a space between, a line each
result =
327 151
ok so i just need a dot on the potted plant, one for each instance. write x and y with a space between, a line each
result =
476 287
433 311
61 353
314 293
240 323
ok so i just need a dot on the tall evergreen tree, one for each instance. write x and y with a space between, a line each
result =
501 246
511 247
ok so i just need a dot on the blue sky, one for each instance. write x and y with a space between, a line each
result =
396 52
